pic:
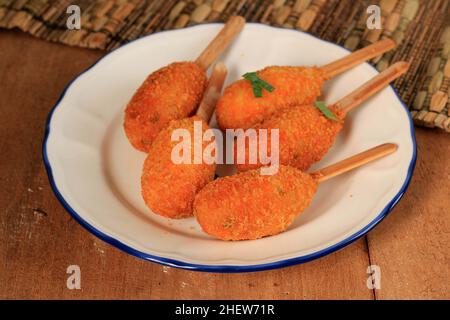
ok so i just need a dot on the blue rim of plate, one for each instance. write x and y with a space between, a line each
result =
223 268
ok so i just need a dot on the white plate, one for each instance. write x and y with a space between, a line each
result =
95 173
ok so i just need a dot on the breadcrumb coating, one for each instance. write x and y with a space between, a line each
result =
250 206
239 108
305 136
170 93
169 189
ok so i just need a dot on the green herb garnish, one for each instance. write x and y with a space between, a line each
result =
327 112
257 84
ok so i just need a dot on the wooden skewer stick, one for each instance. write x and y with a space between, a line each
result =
223 39
369 88
359 56
212 92
354 161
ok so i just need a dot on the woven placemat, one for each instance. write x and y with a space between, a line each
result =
420 27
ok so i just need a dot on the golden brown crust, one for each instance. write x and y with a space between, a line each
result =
169 189
251 206
170 93
305 136
239 108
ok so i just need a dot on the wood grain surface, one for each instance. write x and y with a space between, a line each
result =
39 240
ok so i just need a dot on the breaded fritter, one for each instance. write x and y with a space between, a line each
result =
239 108
169 189
305 136
170 93
249 205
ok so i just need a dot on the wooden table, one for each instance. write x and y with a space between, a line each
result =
39 240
